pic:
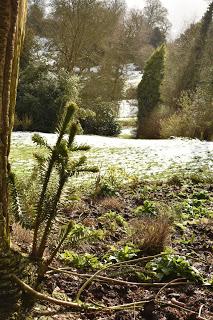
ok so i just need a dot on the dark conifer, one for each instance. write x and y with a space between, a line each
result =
149 87
191 73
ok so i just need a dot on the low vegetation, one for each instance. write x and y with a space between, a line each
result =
144 234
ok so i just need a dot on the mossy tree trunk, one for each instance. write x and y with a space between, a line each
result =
12 23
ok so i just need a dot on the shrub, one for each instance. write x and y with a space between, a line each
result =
41 96
152 123
194 118
103 122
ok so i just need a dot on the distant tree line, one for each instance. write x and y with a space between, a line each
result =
77 49
176 92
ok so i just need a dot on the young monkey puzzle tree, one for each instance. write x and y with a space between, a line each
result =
58 164
12 24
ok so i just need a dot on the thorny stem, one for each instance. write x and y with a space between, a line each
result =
52 256
40 204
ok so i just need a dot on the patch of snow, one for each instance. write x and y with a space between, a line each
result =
128 109
128 131
135 156
132 74
95 69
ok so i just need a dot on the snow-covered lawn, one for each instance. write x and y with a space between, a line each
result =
136 157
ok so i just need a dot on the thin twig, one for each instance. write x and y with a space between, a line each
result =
200 311
86 283
108 266
179 307
117 281
168 284
81 306
134 313
128 305
117 264
74 305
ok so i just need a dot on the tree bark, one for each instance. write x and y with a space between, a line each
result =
12 23
13 17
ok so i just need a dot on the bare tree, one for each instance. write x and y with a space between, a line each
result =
77 30
157 15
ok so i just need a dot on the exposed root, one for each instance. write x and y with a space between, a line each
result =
79 306
37 295
121 282
115 265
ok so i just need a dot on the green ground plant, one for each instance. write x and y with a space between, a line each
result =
80 261
110 183
116 254
172 266
113 221
148 209
190 209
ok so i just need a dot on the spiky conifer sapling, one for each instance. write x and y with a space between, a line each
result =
57 163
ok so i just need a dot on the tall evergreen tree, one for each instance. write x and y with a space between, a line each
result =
191 73
149 88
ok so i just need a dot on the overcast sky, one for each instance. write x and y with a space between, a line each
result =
181 12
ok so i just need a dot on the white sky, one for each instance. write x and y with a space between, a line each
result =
181 12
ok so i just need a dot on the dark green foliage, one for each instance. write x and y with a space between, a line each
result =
38 98
149 88
191 73
103 122
41 95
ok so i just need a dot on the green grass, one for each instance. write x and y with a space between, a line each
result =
128 163
22 160
127 122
